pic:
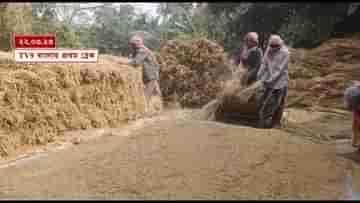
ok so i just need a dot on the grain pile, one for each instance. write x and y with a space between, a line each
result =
192 70
321 75
38 101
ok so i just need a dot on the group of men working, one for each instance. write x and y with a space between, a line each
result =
271 68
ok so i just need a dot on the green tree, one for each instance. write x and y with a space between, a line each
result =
301 24
46 20
14 18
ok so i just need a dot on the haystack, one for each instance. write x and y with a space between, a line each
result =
324 73
39 101
193 70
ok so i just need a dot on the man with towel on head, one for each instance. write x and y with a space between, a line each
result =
250 57
144 56
274 73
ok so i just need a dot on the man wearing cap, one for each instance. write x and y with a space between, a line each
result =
274 73
143 56
251 57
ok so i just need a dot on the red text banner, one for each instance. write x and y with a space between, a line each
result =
34 41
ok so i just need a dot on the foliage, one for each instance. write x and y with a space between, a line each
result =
300 24
109 26
46 20
14 18
310 26
66 37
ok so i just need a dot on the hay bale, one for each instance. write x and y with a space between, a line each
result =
39 101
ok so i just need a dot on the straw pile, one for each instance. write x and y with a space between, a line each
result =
322 74
192 70
39 101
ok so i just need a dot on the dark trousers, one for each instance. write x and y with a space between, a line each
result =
277 103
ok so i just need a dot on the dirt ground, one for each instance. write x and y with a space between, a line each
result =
175 157
320 127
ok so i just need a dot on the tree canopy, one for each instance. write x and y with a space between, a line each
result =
109 26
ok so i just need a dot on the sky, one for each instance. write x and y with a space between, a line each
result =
146 7
149 8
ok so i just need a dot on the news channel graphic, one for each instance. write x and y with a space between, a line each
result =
34 41
43 49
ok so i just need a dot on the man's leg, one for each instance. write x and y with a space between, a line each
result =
152 88
147 90
266 94
264 99
157 88
280 105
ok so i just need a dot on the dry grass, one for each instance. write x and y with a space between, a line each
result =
324 72
37 101
192 70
